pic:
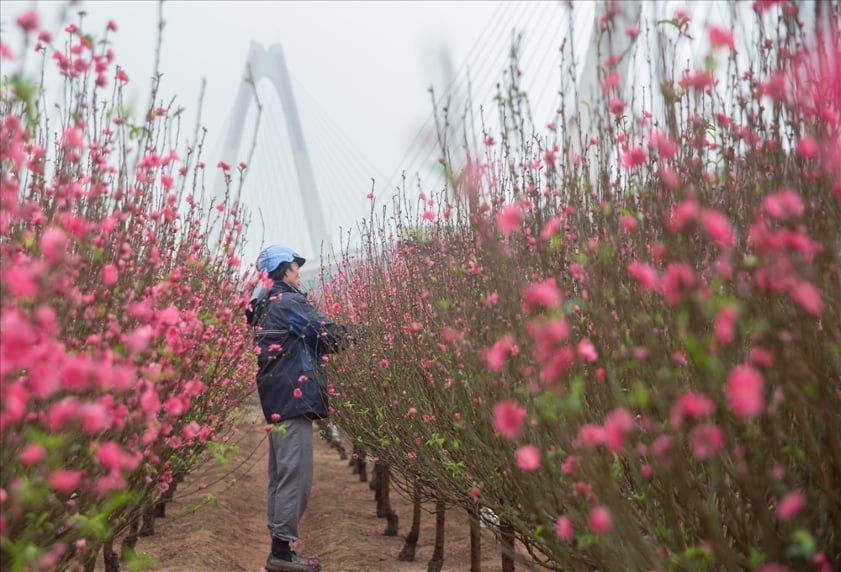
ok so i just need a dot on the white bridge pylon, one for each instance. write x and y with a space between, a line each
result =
270 63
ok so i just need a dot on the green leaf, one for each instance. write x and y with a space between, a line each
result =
802 545
118 500
573 402
695 350
221 451
436 441
673 22
642 398
49 442
137 561
694 558
585 541
547 408
756 558
93 526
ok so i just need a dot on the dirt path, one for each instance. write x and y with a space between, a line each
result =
340 525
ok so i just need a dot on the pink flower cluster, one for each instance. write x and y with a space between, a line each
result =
121 343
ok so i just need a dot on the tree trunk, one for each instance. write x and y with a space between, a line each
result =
363 470
110 558
375 485
90 562
390 514
357 461
408 552
475 540
147 527
437 560
130 539
507 533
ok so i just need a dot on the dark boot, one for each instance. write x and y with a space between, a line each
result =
284 559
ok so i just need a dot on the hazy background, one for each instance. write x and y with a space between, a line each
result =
360 72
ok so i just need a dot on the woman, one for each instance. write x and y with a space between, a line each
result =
292 336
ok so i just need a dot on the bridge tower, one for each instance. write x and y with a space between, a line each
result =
270 63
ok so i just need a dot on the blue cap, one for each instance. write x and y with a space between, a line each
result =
275 255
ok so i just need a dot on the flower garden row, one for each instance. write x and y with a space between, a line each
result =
122 350
628 350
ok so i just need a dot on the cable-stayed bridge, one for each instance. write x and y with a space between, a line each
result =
308 180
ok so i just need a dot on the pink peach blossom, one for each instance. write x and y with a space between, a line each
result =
783 205
761 357
645 275
94 417
498 353
628 223
600 520
706 440
807 297
717 227
807 147
528 458
109 274
543 294
617 425
557 365
610 82
678 279
32 454
664 144
683 214
53 244
790 505
700 79
21 280
138 339
633 157
508 418
745 392
112 456
590 436
563 528
64 480
510 218
724 327
571 464
587 351
6 52
28 21
721 38
691 406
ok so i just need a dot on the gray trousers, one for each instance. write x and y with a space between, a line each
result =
290 477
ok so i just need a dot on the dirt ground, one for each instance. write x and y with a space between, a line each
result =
340 525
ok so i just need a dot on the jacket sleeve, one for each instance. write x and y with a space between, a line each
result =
319 331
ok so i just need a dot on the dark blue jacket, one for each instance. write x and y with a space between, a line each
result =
292 336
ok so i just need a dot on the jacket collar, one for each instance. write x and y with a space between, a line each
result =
281 286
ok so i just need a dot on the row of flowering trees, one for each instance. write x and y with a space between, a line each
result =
625 344
122 351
